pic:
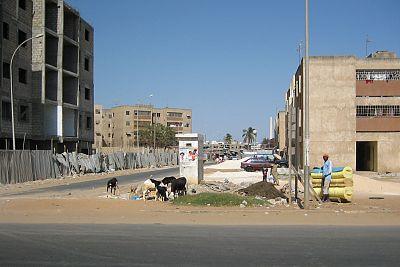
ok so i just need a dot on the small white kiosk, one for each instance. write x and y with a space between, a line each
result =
191 163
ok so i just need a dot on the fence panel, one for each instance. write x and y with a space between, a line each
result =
25 165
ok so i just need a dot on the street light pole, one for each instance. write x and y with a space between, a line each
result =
153 123
137 126
306 146
11 84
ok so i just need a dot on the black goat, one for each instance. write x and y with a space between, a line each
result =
155 182
168 180
161 193
178 186
112 184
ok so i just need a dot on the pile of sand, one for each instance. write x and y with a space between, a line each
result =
367 186
262 189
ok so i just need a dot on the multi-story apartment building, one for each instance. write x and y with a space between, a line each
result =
354 107
117 127
53 76
62 74
16 27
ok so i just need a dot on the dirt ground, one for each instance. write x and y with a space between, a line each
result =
93 206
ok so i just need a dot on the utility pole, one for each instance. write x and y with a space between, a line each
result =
306 145
137 126
290 110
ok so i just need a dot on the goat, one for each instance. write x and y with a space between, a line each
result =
168 180
112 184
178 186
161 193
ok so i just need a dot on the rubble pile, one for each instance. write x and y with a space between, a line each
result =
262 189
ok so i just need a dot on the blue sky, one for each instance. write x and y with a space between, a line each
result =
229 60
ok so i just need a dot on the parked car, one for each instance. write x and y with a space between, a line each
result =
282 163
255 164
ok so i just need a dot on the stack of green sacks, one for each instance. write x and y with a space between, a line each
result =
341 184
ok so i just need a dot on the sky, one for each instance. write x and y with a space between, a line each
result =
230 61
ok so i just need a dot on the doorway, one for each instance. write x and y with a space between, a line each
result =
366 156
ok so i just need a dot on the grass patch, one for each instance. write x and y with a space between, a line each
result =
218 200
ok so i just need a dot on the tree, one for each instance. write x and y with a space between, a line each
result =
249 135
165 136
265 141
228 138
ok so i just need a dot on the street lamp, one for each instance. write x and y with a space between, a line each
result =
11 84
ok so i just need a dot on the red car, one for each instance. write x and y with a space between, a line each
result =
255 164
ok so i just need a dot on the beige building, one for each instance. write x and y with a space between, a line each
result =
117 127
354 111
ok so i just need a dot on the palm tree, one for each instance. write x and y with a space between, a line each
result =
228 138
249 135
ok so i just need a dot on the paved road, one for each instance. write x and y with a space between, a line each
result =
87 185
160 245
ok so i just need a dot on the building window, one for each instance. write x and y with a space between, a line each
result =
188 117
377 75
6 110
127 112
87 93
6 70
97 111
23 113
109 125
87 35
22 76
21 37
128 123
88 123
378 111
6 31
109 135
86 64
22 4
174 114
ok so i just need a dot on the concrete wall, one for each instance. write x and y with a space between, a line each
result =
332 110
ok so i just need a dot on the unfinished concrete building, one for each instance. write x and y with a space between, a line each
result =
354 111
16 27
62 74
117 127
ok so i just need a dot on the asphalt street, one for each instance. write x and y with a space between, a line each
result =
161 245
99 183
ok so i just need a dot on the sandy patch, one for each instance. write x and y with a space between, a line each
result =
365 186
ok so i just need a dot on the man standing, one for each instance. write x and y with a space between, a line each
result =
326 177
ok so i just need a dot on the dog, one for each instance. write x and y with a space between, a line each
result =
112 184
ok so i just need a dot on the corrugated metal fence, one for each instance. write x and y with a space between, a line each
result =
25 165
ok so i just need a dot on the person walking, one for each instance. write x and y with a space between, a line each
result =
326 177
